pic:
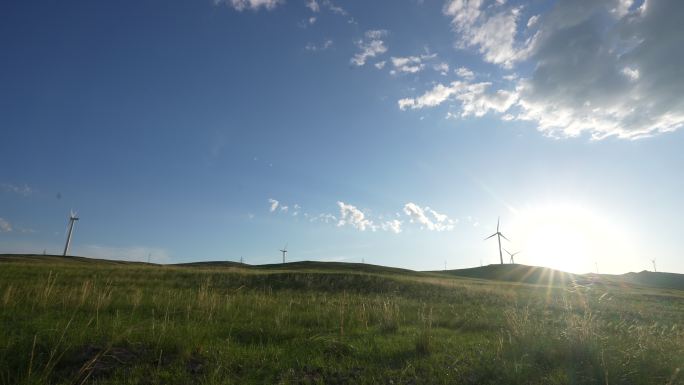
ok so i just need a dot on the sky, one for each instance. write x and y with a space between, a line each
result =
390 132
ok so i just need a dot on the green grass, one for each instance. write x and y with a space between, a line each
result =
86 322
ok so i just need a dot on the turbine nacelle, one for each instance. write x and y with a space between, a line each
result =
284 251
498 236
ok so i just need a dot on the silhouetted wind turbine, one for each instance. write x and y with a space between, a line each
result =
72 219
284 251
512 255
498 237
654 266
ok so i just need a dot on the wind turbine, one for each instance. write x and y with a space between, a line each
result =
284 251
512 255
72 219
654 265
498 237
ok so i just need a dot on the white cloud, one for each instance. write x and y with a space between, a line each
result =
253 5
313 5
434 97
380 65
24 190
410 64
314 48
618 77
464 73
274 204
371 46
350 215
475 100
490 29
442 68
392 225
631 73
5 226
438 222
284 208
324 217
334 8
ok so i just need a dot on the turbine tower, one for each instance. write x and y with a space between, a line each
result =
512 255
498 237
654 265
72 219
284 251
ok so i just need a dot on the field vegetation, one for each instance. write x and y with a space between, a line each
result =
88 322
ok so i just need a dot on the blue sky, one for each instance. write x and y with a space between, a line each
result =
393 132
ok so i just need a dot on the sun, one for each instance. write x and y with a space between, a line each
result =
570 237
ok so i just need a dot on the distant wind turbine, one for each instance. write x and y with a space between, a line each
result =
72 219
654 265
498 237
512 255
284 251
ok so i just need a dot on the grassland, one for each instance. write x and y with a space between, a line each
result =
85 322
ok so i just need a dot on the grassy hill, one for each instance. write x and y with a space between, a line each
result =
546 276
82 321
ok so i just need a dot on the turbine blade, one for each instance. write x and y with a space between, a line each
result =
490 236
507 252
498 220
504 237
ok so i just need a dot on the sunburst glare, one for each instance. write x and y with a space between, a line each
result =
571 237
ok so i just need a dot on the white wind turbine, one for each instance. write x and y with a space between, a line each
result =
512 255
498 237
284 251
73 217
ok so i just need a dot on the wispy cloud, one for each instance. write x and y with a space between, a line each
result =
474 98
273 204
319 47
465 73
335 8
350 215
428 218
313 5
24 190
370 46
5 226
491 29
442 68
253 5
392 225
